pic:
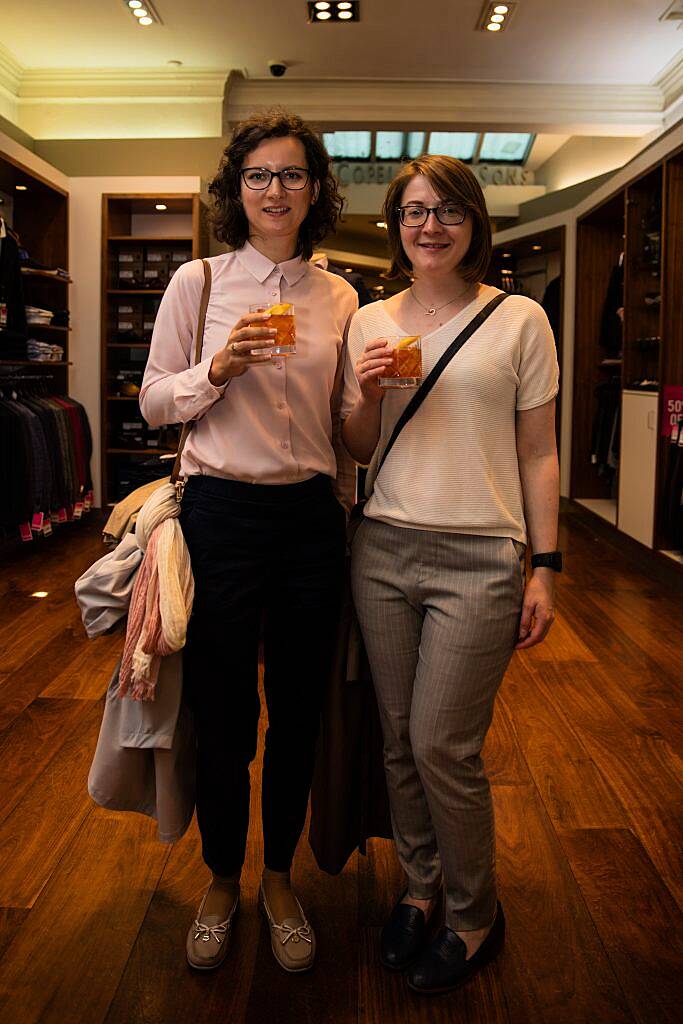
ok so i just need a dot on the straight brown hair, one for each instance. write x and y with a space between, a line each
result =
453 181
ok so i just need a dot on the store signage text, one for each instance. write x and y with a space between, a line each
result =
382 173
672 409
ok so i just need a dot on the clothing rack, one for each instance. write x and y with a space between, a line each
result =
45 454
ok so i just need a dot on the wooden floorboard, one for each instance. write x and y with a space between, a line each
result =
585 766
640 925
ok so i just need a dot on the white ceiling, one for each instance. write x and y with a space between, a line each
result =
572 42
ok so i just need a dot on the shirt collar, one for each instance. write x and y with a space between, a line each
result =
260 267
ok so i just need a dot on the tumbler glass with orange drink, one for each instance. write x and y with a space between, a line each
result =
406 368
282 319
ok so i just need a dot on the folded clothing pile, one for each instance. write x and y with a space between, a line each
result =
28 263
36 315
42 352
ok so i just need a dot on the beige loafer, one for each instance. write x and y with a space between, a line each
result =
292 940
208 939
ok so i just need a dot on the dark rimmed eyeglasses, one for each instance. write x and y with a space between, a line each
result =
292 178
448 214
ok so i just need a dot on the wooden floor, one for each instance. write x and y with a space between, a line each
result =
587 788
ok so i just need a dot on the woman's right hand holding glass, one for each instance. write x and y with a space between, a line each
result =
249 345
374 360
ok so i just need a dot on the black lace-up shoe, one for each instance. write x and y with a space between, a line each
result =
403 937
444 965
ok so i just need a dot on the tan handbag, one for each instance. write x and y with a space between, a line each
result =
124 513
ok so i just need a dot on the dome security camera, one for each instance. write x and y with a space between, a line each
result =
277 68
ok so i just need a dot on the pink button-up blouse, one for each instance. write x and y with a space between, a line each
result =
277 423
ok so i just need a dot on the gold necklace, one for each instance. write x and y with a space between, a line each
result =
433 310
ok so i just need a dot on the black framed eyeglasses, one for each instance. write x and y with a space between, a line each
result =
259 178
448 214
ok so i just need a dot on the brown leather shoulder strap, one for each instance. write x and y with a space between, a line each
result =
199 341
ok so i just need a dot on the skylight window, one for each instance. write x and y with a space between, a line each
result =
389 145
416 144
461 145
505 147
349 145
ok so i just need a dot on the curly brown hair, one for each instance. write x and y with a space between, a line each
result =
227 217
451 180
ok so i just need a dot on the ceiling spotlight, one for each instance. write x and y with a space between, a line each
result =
348 270
39 593
143 11
380 223
335 11
21 188
161 206
496 17
507 255
537 248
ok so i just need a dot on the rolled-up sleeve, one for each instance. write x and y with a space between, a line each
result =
174 391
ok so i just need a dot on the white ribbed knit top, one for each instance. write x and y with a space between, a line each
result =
454 466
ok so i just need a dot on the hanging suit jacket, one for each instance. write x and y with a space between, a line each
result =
11 287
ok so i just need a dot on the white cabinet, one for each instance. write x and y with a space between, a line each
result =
637 465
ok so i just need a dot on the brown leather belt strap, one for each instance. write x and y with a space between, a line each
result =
199 341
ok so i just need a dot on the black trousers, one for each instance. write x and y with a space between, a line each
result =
271 558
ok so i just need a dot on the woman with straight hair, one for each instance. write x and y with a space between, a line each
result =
438 562
263 525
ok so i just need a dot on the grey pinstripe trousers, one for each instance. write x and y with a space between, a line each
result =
439 614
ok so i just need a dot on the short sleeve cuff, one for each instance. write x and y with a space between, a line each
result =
536 403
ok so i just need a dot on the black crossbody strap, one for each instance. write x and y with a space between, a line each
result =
436 371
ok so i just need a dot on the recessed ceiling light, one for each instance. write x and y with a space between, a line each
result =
134 3
537 248
496 14
161 206
380 223
146 21
140 12
335 11
507 255
348 270
39 593
21 188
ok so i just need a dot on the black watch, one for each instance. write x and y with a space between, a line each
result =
547 560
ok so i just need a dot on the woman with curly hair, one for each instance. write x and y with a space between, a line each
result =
261 514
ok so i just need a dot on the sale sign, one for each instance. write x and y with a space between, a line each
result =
672 408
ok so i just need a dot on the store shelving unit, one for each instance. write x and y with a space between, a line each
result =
644 221
39 212
142 248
